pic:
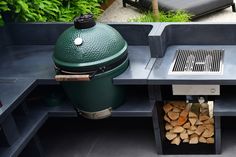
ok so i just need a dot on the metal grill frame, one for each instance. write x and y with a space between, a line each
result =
220 72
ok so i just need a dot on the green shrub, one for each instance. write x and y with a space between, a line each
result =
170 16
103 1
3 8
49 10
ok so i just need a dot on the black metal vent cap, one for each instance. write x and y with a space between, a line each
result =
84 21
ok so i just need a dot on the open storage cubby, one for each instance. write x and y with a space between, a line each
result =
135 109
136 103
26 126
183 148
225 103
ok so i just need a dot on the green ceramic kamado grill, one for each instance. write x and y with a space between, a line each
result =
87 57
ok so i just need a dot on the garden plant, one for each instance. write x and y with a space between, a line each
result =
48 10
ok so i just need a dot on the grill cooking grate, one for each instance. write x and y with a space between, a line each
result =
197 62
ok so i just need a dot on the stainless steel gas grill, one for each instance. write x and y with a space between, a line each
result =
199 62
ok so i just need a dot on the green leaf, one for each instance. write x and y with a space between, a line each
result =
1 21
50 10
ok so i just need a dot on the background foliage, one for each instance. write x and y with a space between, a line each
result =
170 16
48 10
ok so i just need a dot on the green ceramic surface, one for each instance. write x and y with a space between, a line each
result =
101 45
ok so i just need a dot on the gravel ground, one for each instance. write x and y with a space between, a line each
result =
117 13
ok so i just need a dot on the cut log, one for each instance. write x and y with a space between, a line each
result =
173 115
193 128
179 104
190 132
193 139
175 109
184 114
178 129
189 123
176 141
192 115
209 127
192 121
209 121
185 131
186 140
184 136
202 140
198 122
203 117
182 120
170 136
204 111
212 121
166 118
167 108
200 130
210 140
168 126
186 125
174 123
172 131
207 133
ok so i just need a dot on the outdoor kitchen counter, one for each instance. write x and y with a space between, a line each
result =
159 74
26 63
26 55
35 62
22 68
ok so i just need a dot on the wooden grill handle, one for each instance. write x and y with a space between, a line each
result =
72 78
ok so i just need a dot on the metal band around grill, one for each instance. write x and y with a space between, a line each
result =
96 115
95 71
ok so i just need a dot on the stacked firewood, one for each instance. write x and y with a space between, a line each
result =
191 123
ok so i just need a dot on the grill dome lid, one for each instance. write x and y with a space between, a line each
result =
88 45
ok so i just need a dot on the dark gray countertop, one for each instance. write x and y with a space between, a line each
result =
139 67
32 61
35 61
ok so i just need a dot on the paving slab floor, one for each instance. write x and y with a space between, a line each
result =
113 137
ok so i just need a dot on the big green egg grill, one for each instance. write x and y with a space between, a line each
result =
87 57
